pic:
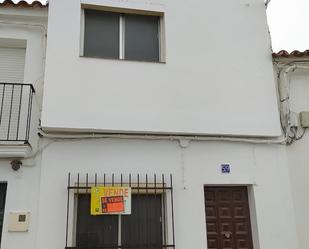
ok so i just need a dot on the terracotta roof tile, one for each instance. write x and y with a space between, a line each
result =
23 4
295 53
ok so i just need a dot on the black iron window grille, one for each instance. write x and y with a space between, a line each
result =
149 226
15 111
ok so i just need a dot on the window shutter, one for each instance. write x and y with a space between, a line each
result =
142 37
12 64
94 231
143 226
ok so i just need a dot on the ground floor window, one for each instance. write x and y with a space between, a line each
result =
2 205
141 229
148 225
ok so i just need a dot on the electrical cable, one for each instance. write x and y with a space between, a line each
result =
284 84
91 135
267 2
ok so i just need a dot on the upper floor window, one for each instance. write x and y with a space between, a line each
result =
122 36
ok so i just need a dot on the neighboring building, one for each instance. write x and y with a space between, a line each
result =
22 59
176 100
293 79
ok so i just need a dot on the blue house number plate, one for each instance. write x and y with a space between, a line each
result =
225 168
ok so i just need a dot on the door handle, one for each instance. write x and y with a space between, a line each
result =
227 234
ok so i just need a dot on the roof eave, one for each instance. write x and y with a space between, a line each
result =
23 4
293 54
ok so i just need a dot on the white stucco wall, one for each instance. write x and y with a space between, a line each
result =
298 157
22 196
29 26
262 167
217 78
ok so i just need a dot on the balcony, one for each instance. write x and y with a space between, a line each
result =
15 114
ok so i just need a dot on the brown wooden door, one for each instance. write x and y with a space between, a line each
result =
228 218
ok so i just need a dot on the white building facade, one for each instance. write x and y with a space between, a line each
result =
165 97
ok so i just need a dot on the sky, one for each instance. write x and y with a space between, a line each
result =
288 24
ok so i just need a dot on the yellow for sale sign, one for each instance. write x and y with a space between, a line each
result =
110 200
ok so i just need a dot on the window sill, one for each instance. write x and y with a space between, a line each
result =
127 60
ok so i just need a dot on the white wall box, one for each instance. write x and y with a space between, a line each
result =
304 119
19 221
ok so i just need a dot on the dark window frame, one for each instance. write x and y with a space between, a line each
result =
3 193
158 43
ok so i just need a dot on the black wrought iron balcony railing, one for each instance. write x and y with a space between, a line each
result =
15 111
